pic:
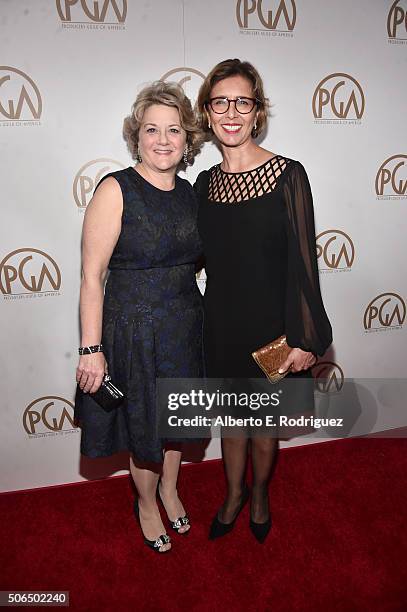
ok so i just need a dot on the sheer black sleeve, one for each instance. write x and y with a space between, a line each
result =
306 322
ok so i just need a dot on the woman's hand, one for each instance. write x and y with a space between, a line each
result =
298 360
90 372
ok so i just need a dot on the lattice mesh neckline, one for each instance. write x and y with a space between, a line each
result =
231 188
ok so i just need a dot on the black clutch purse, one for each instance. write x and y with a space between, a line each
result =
108 396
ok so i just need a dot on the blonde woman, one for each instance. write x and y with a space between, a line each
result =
141 227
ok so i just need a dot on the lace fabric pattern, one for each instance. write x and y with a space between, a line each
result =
152 316
234 188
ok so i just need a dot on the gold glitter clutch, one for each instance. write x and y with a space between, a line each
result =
270 357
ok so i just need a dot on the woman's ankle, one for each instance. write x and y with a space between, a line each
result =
259 509
147 505
168 490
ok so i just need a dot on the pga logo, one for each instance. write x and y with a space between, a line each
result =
88 177
29 271
20 98
397 20
48 414
338 96
94 11
279 15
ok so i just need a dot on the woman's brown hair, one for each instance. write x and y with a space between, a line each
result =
223 70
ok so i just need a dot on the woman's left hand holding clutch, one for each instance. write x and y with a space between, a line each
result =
297 361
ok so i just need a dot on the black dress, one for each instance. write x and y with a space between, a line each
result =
258 235
152 315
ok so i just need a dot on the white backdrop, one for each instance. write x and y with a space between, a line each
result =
70 70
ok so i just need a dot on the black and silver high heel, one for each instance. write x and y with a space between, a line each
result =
153 544
179 522
219 529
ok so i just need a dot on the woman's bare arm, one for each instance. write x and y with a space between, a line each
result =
101 231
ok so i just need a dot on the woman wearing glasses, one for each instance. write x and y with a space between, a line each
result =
256 222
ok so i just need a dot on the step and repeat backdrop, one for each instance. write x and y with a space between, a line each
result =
70 70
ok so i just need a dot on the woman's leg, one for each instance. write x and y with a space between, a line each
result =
234 453
168 487
264 451
146 484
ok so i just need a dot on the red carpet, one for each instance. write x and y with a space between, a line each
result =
339 540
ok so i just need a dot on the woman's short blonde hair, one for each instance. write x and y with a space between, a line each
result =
223 70
168 94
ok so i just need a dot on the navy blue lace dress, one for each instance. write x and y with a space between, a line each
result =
152 315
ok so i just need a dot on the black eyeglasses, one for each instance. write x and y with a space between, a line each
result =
243 105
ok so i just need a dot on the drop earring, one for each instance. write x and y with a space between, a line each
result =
185 156
138 156
254 130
